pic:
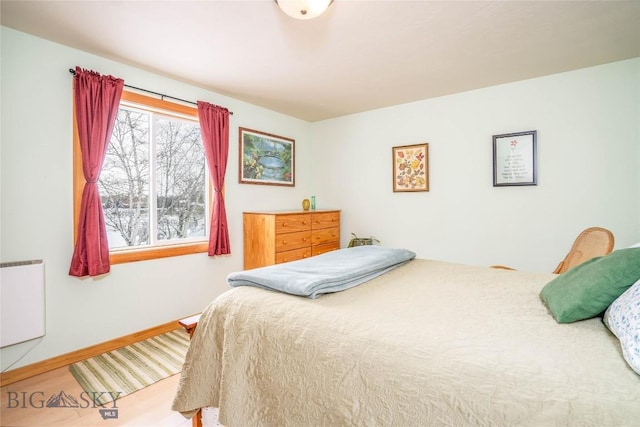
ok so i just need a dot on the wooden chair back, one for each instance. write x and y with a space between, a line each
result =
592 242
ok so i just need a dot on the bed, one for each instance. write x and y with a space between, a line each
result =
428 343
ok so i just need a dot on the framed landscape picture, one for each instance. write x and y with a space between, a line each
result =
514 159
411 168
266 158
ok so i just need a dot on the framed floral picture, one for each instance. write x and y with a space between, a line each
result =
411 168
266 158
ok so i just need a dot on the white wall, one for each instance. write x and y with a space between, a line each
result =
588 169
37 222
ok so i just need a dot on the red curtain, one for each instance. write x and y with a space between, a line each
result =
214 126
96 103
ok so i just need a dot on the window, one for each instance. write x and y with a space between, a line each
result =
154 184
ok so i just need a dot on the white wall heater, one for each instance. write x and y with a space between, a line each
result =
22 301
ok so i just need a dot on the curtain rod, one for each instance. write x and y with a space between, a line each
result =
161 95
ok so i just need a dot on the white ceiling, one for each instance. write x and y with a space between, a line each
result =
360 55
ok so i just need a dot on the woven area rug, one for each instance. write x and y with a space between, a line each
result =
132 368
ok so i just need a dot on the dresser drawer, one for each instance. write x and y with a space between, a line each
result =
293 255
325 235
283 236
291 223
327 247
325 220
288 241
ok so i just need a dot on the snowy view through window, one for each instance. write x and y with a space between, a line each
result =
153 184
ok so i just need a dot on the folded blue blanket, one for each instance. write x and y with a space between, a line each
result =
330 272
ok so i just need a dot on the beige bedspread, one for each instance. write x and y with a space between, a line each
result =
428 344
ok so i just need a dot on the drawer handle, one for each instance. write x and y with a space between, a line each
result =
284 242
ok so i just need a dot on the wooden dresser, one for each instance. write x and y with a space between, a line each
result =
276 237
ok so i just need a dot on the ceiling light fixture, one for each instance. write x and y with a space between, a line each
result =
304 9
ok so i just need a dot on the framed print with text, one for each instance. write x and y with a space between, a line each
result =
514 159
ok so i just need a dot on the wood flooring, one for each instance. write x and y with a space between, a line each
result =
24 404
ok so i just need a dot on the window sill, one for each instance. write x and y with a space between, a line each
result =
134 255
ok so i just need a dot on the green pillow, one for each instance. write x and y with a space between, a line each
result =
589 288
